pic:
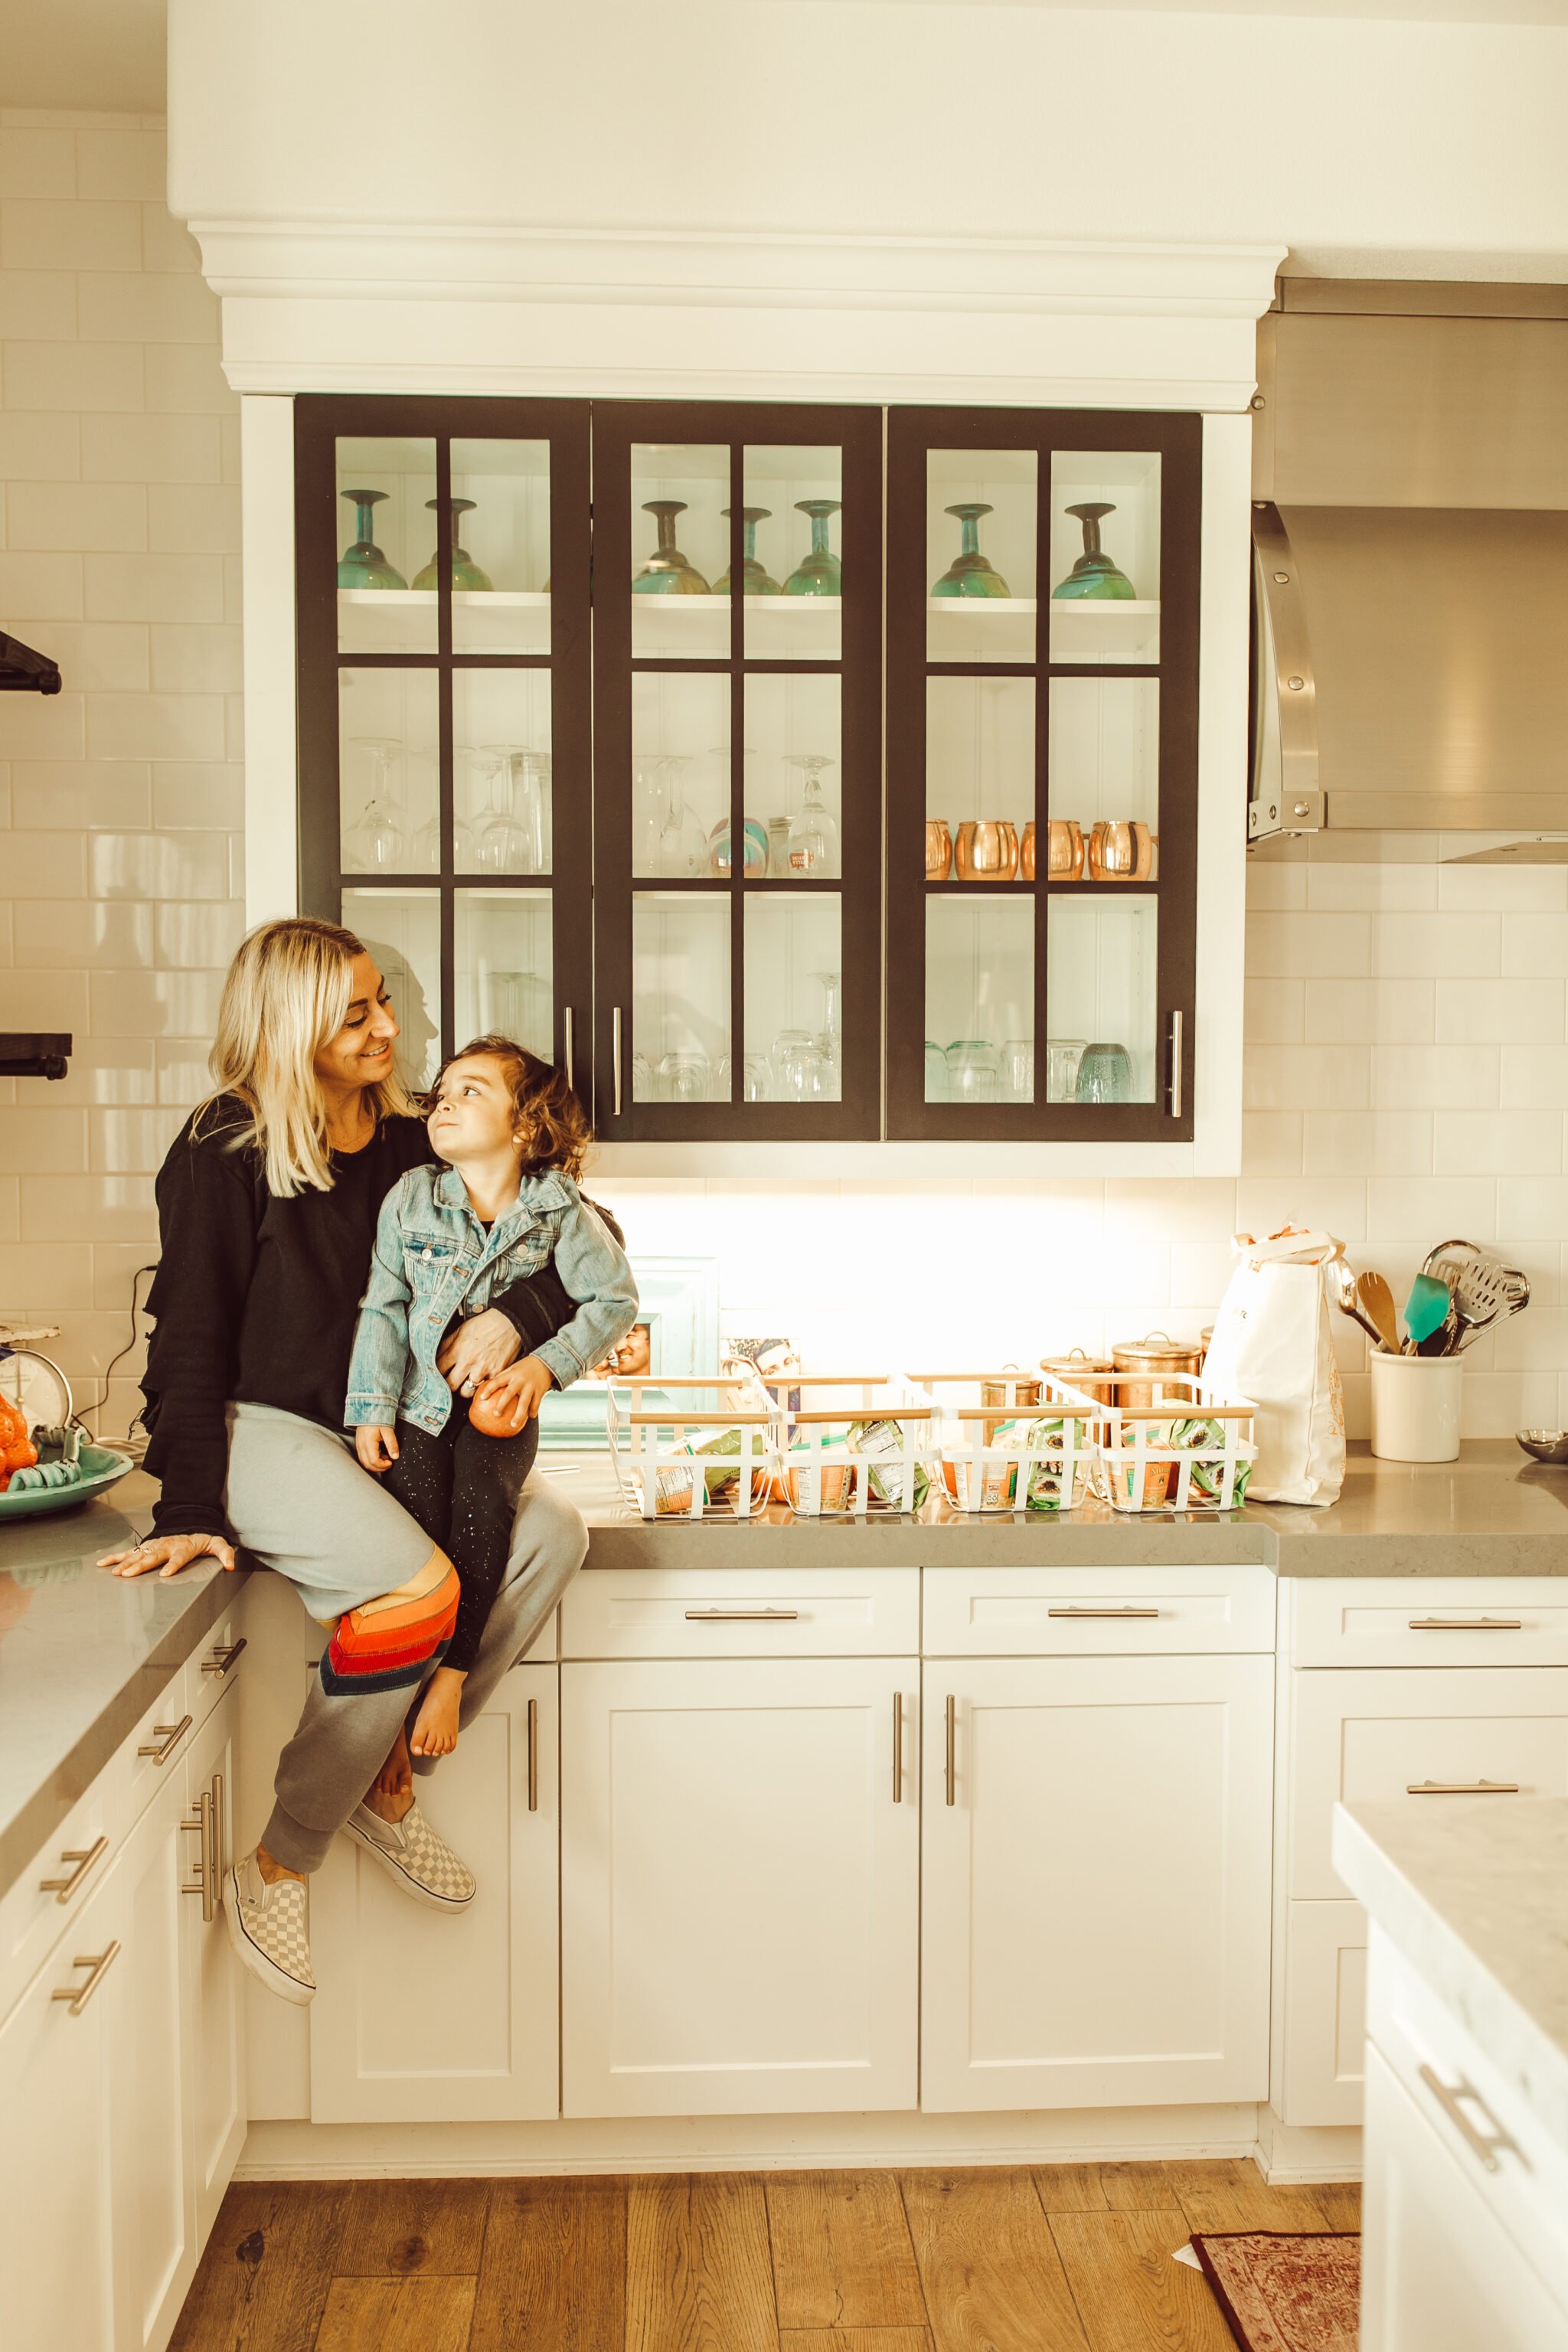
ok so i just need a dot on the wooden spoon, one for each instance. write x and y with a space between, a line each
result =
1377 1298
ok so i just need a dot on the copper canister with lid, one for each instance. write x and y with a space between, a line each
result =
1089 1375
1155 1356
1016 1393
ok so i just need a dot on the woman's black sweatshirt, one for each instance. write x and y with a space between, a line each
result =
255 1299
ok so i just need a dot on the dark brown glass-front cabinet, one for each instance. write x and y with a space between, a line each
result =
567 785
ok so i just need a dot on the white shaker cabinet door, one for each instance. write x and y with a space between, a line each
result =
155 2244
1096 1888
56 2245
425 2017
739 1895
213 1981
1439 2271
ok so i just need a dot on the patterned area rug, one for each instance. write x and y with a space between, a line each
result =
1286 2291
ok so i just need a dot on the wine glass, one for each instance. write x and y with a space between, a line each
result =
466 572
362 565
499 843
831 1035
819 573
377 844
753 574
813 842
1094 573
970 573
684 1077
653 812
667 573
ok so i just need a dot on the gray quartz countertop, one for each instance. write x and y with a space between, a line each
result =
1474 1895
83 1653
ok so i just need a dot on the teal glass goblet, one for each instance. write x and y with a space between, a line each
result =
753 575
667 573
1094 573
1104 1075
970 573
362 565
820 573
466 572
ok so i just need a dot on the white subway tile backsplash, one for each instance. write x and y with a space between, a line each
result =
1271 1142
1439 945
1281 946
193 516
1478 1142
101 656
122 1142
1268 1205
120 164
78 933
69 1207
48 233
1308 1077
10 1208
83 517
1363 1011
1535 1078
45 864
43 1000
48 795
1420 1210
107 1070
1506 889
1533 1208
1535 946
1367 1143
1373 888
36 160
45 447
39 1278
40 587
158 865
154 587
146 307
45 726
36 306
42 1141
206 658
166 243
1275 885
1275 1011
183 382
1431 1077
198 934
150 449
1505 1012
155 726
197 795
153 1004
73 375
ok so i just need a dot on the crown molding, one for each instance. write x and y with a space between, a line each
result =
325 305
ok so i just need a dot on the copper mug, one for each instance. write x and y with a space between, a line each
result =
1123 852
1026 853
987 852
1064 850
939 849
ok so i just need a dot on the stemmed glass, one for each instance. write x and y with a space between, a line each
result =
753 574
377 844
498 843
667 573
466 572
511 832
682 844
1094 573
813 830
970 573
831 1037
819 573
362 565
653 812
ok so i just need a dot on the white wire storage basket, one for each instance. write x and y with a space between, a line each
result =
1010 1441
857 1444
1189 1448
691 1448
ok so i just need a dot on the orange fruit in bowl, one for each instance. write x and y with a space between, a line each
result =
491 1411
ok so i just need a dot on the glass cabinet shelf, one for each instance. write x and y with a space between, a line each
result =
1003 629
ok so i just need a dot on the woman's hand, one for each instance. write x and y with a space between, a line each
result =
485 1344
514 1396
168 1555
376 1446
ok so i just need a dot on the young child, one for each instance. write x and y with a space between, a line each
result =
505 1205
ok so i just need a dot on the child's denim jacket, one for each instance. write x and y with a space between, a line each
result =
434 1260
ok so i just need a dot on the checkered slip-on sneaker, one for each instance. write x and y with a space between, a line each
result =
421 1863
267 1928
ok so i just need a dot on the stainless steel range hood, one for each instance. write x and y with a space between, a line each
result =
1410 528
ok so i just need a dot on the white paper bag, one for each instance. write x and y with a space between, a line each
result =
1271 1344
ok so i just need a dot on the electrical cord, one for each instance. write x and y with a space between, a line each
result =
102 1398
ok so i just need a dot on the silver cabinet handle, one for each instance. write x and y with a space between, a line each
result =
533 1755
224 1655
898 1747
1127 1612
1177 1073
571 1055
1461 1788
740 1616
166 1738
1486 2146
204 1883
950 1760
62 1889
615 1056
99 1963
1466 1624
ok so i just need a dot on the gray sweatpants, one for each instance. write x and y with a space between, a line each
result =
298 1499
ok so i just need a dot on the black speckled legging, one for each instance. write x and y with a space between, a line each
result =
463 1488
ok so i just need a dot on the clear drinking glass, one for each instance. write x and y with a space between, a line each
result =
1104 1074
1063 1055
974 1071
685 1077
936 1088
1018 1070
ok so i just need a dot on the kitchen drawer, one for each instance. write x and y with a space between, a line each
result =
1370 1733
216 1665
157 1748
1075 1612
1320 2065
1448 1621
714 1612
35 1916
1411 2028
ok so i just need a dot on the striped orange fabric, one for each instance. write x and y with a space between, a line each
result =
396 1646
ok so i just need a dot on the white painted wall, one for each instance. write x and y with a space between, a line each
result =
1436 146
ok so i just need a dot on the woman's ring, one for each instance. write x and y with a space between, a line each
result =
468 1388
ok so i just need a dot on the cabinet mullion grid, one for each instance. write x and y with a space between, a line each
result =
737 772
446 754
912 434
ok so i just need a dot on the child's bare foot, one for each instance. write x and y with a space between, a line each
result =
394 1784
435 1725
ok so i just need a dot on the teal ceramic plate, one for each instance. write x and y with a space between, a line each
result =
102 1468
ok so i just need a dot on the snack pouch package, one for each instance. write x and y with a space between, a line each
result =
882 1437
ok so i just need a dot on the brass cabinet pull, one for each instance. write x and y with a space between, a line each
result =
1461 1788
1128 1612
1177 1073
223 1657
741 1616
950 1764
569 1027
204 1883
1466 1624
1486 2146
62 1889
533 1755
99 1963
615 1056
898 1747
166 1738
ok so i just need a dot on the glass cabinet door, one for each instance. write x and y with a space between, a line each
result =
737 771
445 711
1041 783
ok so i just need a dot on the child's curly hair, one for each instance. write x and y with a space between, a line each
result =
552 1123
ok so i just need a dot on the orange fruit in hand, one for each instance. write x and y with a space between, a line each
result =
491 1411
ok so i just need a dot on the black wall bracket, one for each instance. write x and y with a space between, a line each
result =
34 1054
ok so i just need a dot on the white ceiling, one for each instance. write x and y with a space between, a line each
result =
93 57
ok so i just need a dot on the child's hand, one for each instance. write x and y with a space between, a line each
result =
376 1446
511 1398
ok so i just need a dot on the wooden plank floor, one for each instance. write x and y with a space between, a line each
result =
1060 2258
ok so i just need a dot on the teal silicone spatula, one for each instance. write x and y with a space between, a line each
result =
1427 1308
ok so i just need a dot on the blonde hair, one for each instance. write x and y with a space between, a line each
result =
286 993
